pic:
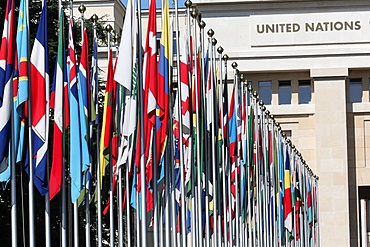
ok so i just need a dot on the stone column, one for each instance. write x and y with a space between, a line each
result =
331 155
363 208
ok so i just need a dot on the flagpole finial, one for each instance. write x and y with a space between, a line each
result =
220 50
255 94
214 41
211 32
234 65
82 8
202 24
94 18
225 57
261 103
108 28
293 146
194 13
267 112
188 4
250 89
242 77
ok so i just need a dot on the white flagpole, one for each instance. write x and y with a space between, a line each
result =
47 201
82 10
220 75
109 28
47 198
142 162
13 179
204 105
63 187
99 210
194 14
181 148
31 216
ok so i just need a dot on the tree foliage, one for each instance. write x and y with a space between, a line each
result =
22 177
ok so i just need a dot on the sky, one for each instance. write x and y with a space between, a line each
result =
145 3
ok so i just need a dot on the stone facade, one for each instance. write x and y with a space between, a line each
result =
327 43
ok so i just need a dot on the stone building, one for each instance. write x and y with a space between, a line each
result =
309 60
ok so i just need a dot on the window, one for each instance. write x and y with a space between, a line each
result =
285 93
265 91
355 90
304 91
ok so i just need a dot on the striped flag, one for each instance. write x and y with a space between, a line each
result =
75 136
107 125
22 89
185 111
39 93
56 102
288 217
83 99
6 72
162 112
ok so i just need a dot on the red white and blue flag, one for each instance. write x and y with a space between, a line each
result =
39 93
6 75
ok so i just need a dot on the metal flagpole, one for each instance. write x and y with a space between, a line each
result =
236 108
224 157
63 188
242 158
75 204
47 201
220 50
109 28
31 216
194 14
179 96
82 10
214 140
13 199
99 210
204 105
188 5
142 162
119 184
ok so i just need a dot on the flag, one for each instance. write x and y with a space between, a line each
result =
83 99
39 93
127 77
75 135
107 125
288 218
6 72
162 112
21 109
185 107
56 102
149 100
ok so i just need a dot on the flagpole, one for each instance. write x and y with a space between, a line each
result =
99 216
31 216
63 188
13 199
82 10
203 104
142 163
182 166
194 14
108 29
220 50
214 163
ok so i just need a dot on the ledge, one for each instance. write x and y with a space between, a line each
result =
306 109
359 107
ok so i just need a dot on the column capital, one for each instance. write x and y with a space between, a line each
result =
329 72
